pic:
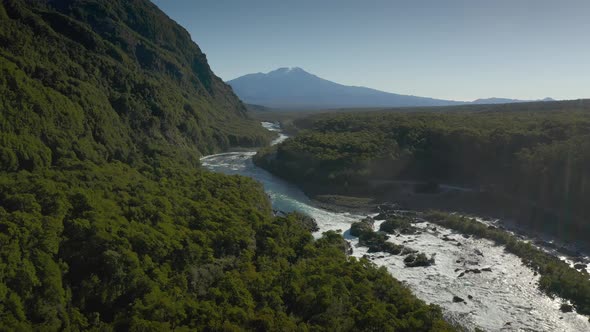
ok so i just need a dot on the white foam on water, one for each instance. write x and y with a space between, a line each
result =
505 299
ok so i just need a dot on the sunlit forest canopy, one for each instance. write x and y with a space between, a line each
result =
535 154
107 221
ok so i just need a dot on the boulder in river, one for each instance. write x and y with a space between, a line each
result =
566 307
462 274
372 239
388 247
400 224
457 299
361 227
418 260
381 216
348 248
407 251
387 207
487 269
308 222
470 297
580 266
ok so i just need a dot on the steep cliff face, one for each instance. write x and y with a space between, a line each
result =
109 80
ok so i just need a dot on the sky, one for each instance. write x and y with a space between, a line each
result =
453 49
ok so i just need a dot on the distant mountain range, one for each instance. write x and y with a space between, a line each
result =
494 100
295 88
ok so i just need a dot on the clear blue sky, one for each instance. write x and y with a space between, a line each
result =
460 50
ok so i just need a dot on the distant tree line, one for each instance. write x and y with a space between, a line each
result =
535 157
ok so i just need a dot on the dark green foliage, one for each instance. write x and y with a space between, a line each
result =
534 158
106 220
373 239
109 80
101 244
308 222
400 224
362 227
325 286
418 260
192 249
557 277
376 241
390 248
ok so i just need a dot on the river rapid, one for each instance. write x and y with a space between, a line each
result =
505 299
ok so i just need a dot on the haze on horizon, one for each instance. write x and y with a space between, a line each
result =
459 50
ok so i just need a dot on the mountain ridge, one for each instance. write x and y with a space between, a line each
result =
496 100
293 87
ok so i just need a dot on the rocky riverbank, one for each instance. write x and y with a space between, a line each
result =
507 297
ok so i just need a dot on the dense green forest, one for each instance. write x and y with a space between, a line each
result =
115 77
532 157
107 222
113 247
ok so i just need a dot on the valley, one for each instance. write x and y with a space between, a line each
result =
506 298
140 190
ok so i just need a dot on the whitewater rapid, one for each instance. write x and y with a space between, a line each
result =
505 299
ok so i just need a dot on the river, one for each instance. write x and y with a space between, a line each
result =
505 299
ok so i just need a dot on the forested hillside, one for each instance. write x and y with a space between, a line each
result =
105 80
107 222
534 157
